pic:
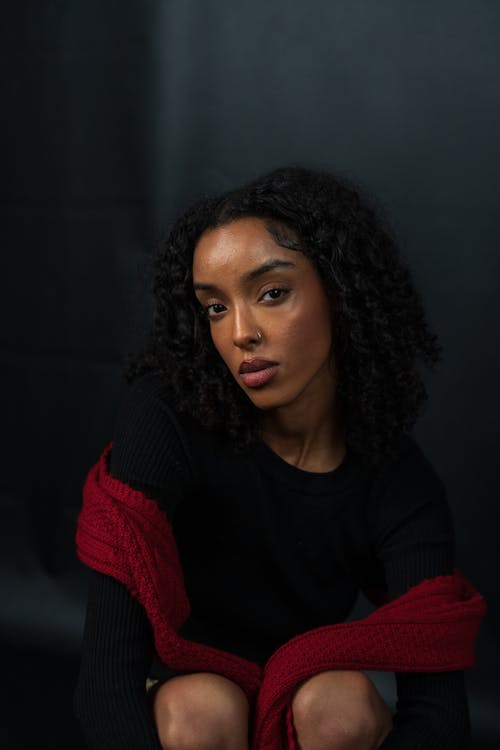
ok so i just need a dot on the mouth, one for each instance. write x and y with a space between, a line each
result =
257 376
255 364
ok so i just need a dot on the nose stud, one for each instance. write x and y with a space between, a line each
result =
259 334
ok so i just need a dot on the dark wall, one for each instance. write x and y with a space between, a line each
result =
114 117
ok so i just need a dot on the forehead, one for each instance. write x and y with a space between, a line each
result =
237 247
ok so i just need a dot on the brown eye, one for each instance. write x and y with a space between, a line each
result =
276 293
214 312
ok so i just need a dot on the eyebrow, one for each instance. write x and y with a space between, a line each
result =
253 274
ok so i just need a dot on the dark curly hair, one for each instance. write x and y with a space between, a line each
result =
380 327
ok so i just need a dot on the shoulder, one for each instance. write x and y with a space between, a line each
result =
150 442
410 522
409 501
409 472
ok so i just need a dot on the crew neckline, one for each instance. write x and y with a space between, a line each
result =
313 481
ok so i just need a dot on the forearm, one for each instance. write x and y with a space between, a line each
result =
110 699
432 713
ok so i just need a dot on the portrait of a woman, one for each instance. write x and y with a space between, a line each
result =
269 425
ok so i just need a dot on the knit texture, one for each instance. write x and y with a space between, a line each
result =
430 628
123 533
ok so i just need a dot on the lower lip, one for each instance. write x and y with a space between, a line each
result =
259 377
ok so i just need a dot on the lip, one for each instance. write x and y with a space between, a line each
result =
258 378
255 364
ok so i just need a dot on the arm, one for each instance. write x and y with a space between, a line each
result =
432 712
415 541
110 699
148 453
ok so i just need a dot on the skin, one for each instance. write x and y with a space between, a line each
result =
291 309
333 710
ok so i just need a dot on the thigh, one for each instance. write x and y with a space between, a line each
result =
201 710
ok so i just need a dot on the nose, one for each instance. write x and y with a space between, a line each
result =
245 328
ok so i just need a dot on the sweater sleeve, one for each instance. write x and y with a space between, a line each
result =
414 540
149 453
110 700
150 450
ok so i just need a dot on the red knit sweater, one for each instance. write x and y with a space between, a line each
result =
431 628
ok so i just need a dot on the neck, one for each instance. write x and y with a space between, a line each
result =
306 435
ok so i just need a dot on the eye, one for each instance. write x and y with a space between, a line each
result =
211 311
275 293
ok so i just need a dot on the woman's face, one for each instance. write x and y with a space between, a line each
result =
265 302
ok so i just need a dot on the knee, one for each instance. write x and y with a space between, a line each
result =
206 715
341 710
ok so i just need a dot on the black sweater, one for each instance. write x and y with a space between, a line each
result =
268 551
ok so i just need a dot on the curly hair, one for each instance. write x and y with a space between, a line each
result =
380 326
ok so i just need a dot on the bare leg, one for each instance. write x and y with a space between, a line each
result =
340 710
201 711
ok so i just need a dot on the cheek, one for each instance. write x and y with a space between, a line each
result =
309 331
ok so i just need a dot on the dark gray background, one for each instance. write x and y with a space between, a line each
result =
115 116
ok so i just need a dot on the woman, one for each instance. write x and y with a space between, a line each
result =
270 420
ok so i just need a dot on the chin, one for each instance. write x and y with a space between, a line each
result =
268 401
